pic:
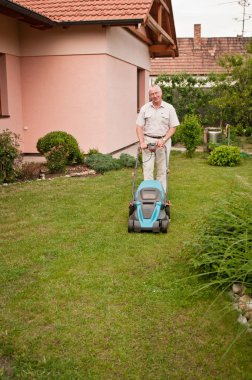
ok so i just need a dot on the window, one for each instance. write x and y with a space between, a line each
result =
3 87
140 88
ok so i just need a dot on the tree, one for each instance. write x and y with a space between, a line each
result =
186 93
218 99
232 94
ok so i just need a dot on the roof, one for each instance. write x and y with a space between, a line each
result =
87 10
199 56
149 20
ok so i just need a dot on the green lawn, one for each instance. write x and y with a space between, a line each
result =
83 299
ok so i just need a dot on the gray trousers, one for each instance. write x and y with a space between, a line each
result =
160 158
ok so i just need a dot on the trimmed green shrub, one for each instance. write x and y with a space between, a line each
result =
222 250
225 155
190 130
102 162
10 156
57 159
127 160
54 139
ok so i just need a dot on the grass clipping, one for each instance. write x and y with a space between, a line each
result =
222 250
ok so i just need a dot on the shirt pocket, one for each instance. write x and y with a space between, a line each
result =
148 114
165 118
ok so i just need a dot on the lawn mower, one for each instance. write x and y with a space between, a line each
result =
148 210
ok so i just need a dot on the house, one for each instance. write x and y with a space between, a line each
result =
198 55
80 67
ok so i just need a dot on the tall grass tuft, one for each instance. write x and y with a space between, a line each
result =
222 250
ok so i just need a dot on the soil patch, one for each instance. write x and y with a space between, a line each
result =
38 170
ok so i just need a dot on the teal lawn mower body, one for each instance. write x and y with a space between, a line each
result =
149 210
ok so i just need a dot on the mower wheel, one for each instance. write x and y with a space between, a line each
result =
137 226
164 226
131 225
156 227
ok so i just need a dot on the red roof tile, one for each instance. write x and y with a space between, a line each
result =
88 10
199 56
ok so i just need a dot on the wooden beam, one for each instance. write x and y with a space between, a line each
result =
139 34
156 28
161 51
159 20
159 48
165 6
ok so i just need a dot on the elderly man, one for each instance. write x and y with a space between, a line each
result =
156 123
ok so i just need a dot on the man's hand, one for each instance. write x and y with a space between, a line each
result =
160 143
143 145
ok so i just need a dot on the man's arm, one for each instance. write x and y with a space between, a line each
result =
168 135
140 135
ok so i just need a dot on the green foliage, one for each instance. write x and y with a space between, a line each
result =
233 93
93 151
224 243
127 160
225 155
57 159
56 138
219 99
10 156
190 130
102 162
177 137
248 131
188 95
239 130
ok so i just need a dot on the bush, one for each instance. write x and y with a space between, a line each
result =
59 138
225 155
177 137
127 161
248 132
239 130
102 162
57 159
190 130
92 151
10 156
222 250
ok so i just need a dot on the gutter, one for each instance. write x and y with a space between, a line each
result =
126 22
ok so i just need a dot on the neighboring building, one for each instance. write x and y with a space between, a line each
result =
198 55
80 67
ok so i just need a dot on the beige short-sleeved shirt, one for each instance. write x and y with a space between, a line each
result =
156 122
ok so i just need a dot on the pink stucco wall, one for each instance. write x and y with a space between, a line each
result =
58 94
93 98
13 80
81 80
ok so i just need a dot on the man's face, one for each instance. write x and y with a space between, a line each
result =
155 96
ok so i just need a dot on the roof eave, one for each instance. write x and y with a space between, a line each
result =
119 22
26 12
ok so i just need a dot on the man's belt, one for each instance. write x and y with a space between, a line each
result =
154 137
